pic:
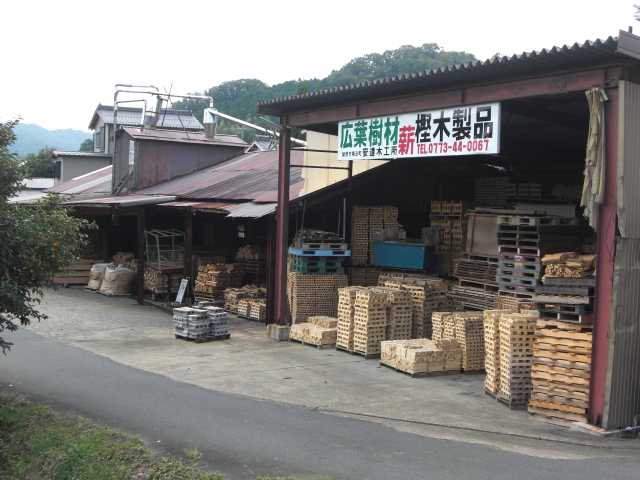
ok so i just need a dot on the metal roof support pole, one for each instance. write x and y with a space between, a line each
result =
282 228
598 405
140 254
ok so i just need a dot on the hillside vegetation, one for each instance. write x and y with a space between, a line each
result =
238 97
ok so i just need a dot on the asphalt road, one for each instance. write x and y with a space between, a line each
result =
239 436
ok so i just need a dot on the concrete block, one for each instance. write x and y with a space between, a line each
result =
279 333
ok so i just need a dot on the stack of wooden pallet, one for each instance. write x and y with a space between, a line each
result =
517 334
470 335
466 328
254 270
421 356
561 372
321 331
79 273
364 276
428 295
258 310
492 349
449 217
363 221
399 315
346 311
313 294
369 321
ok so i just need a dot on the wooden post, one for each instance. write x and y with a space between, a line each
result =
140 254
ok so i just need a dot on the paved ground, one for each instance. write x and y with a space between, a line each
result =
450 407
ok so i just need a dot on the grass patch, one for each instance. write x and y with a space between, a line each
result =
38 443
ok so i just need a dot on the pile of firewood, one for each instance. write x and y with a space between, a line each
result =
569 265
213 279
251 252
233 295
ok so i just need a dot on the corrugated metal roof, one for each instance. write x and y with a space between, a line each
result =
242 178
122 200
184 137
252 210
565 57
252 177
98 181
59 153
176 119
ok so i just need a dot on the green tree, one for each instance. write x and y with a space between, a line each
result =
35 243
39 164
87 145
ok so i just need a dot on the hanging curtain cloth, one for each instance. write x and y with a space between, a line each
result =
593 189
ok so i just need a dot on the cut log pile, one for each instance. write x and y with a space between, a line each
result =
213 279
320 330
561 372
421 355
568 265
233 295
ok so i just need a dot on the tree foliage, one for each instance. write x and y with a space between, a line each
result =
86 145
39 164
238 97
35 242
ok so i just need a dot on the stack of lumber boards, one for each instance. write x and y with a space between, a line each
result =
421 355
467 329
369 321
320 330
313 294
233 295
561 372
253 309
428 295
509 365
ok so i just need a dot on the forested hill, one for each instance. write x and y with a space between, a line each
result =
32 138
238 97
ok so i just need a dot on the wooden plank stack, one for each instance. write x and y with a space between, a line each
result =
568 265
517 334
561 372
369 321
421 356
253 261
319 331
80 273
449 217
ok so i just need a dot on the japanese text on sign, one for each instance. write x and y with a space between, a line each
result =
468 130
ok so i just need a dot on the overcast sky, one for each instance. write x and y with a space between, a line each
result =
60 59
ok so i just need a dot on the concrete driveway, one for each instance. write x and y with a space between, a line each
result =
249 364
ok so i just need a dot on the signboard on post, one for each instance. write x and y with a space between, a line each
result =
184 283
466 130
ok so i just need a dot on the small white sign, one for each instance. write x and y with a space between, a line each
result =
464 130
184 283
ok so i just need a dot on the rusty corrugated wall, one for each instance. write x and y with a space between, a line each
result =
622 393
